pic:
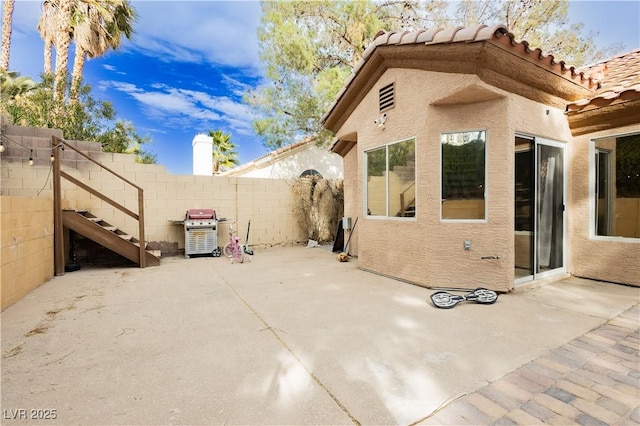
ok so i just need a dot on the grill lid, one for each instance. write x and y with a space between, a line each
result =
201 214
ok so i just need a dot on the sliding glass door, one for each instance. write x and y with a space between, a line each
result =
539 208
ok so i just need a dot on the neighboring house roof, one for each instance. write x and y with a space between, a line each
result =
269 158
290 161
392 51
618 78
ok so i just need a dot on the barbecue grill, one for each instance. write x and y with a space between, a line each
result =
201 232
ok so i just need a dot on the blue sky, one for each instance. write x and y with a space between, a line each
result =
190 62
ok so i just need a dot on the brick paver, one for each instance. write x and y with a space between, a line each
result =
592 380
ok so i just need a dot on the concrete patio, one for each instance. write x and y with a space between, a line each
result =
293 337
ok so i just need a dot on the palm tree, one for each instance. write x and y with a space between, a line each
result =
99 26
224 156
12 87
12 84
7 17
63 31
55 27
46 28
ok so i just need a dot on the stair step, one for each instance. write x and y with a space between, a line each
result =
79 223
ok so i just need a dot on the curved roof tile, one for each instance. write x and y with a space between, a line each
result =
623 75
480 32
468 34
616 78
486 33
396 37
411 37
446 36
427 36
367 52
382 39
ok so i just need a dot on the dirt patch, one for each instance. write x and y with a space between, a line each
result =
40 329
12 352
52 313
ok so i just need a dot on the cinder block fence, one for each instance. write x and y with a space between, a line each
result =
26 204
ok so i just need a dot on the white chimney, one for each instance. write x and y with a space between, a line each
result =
202 155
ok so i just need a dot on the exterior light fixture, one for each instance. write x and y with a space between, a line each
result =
380 121
53 157
1 146
31 158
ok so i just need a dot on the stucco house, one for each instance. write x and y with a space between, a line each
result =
292 161
473 160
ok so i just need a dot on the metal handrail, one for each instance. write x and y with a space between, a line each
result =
56 145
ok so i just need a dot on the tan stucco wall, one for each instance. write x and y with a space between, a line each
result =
608 259
26 229
428 251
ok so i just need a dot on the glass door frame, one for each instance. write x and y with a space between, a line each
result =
536 141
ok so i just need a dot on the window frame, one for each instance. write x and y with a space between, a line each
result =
485 219
593 232
365 175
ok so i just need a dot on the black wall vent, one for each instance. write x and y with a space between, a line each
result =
387 97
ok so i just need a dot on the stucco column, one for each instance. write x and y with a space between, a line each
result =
202 155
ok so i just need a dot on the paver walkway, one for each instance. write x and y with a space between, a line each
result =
591 380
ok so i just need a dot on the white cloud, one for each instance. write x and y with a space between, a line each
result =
113 69
120 86
164 50
179 107
213 32
26 45
238 88
216 32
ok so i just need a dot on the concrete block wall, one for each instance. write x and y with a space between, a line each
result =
267 203
27 204
27 246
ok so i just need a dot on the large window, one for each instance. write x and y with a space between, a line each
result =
617 186
463 175
391 180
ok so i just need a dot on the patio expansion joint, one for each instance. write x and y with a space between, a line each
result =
273 331
452 400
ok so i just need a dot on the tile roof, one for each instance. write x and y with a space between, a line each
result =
269 157
497 34
618 80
